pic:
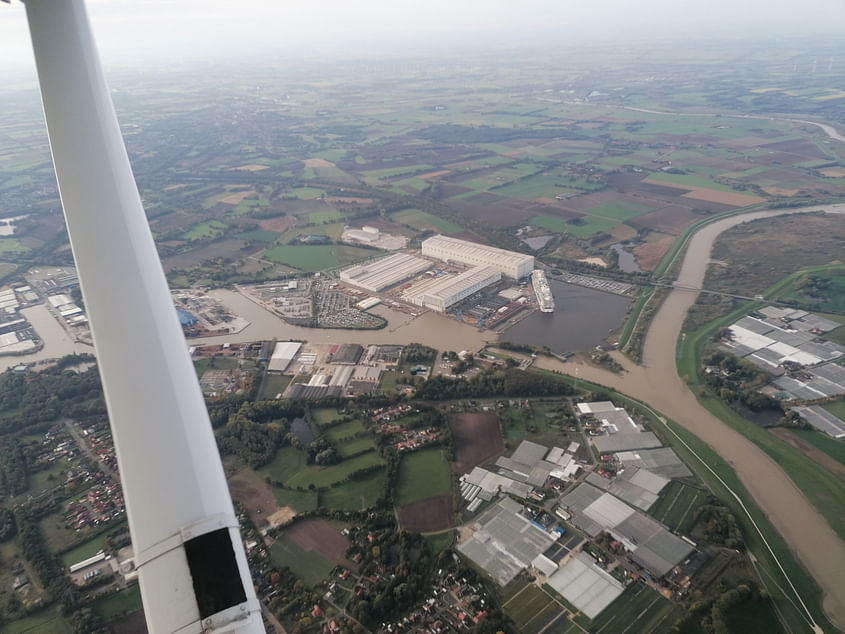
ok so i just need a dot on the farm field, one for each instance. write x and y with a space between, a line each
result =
84 551
837 408
310 259
638 609
324 415
421 221
48 620
327 476
309 565
677 504
123 602
832 447
423 474
354 495
478 439
532 610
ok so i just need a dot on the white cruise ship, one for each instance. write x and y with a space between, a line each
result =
543 291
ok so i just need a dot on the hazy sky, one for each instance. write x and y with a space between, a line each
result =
152 30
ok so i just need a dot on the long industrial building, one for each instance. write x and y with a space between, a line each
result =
508 263
377 275
441 292
283 354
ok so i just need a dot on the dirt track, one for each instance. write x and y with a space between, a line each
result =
657 383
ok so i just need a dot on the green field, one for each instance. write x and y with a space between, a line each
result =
326 476
308 565
12 245
830 296
344 430
423 474
47 621
259 235
539 186
123 602
84 551
677 504
638 609
305 193
831 446
588 225
319 257
619 210
421 221
354 495
302 501
205 230
323 217
287 463
390 172
41 479
439 542
837 408
324 415
274 384
691 180
532 610
355 446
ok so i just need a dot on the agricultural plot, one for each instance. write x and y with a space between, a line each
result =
583 227
306 193
324 415
327 476
390 172
324 217
300 501
12 246
310 259
677 505
84 551
308 565
422 221
355 446
639 609
123 602
49 620
423 474
354 495
532 610
345 431
620 210
205 230
539 186
478 439
499 177
259 235
287 463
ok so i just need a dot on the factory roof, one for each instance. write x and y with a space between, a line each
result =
463 247
383 272
446 287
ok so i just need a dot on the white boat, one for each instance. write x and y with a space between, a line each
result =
543 291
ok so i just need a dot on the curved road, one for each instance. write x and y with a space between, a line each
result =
657 383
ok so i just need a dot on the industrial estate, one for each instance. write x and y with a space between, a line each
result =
439 349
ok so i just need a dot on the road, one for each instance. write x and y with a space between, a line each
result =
656 382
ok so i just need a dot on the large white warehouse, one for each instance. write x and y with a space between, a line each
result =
283 354
509 263
377 275
441 292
